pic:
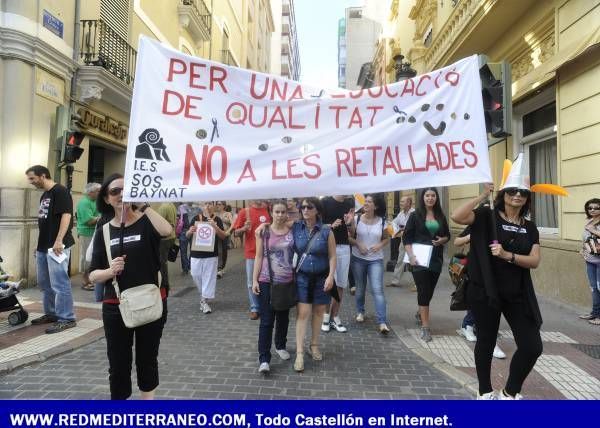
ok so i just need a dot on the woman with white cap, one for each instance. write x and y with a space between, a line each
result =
504 248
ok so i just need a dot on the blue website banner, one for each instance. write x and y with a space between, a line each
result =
275 414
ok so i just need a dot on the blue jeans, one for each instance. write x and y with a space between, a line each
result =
54 281
373 270
269 319
253 298
593 272
183 251
469 319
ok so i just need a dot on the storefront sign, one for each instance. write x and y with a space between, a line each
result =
105 124
49 86
53 24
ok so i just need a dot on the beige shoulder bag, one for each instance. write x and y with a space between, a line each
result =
138 305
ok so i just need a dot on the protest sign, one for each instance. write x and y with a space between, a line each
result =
201 130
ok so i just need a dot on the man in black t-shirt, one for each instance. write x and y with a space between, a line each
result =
337 211
55 220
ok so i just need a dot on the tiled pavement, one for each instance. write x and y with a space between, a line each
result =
214 356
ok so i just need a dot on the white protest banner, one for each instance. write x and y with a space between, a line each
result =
201 130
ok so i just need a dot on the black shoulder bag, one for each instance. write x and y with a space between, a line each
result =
283 295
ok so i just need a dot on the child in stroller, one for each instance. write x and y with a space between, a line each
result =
8 299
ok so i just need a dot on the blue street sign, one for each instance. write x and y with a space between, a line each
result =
53 24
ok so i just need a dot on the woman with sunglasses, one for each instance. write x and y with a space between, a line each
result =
592 262
367 258
274 245
504 247
138 264
427 225
315 248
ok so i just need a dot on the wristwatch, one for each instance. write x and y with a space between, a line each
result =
512 258
143 208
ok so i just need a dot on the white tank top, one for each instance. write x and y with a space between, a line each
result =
368 235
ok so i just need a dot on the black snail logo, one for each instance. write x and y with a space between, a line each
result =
151 146
433 130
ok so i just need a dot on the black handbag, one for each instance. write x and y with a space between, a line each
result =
283 295
458 299
172 254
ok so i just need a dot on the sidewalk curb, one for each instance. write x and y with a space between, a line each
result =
10 366
463 379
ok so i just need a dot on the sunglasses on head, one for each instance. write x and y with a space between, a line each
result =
115 191
593 207
512 191
307 207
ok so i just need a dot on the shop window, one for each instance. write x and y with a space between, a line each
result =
536 132
539 119
542 165
96 165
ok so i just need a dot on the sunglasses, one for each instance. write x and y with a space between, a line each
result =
115 191
513 191
307 207
593 208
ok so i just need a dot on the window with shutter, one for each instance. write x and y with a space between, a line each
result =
116 13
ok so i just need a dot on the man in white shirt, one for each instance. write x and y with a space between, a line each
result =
400 220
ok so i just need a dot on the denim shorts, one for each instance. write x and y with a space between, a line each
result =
310 289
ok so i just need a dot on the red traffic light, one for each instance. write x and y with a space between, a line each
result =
72 150
75 138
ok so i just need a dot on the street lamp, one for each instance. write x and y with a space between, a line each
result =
403 69
403 72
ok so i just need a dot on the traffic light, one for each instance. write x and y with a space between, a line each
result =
497 96
72 150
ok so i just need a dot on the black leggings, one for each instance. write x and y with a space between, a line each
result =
526 334
426 280
119 347
222 251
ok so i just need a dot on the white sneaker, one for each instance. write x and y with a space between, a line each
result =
499 353
283 354
488 396
264 368
504 396
468 333
338 326
325 326
204 307
360 318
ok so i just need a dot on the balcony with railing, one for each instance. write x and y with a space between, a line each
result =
101 46
108 65
196 18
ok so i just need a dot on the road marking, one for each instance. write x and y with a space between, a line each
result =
44 342
573 382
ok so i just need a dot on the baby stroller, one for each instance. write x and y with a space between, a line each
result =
9 301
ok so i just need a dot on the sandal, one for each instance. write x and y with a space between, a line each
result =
315 353
299 363
595 321
89 286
